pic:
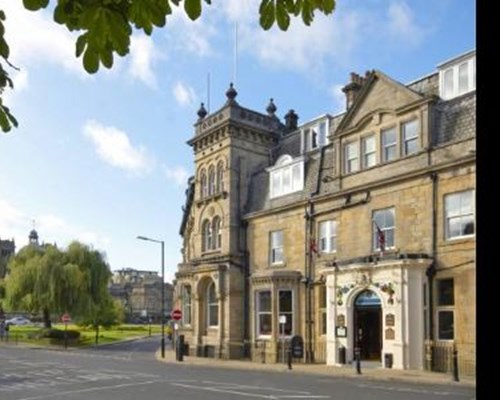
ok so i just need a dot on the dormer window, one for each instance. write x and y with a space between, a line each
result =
458 76
287 176
314 136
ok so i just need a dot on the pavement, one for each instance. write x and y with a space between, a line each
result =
369 370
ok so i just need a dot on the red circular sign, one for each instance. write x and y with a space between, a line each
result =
65 318
176 314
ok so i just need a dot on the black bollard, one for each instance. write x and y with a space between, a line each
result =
455 363
180 348
289 358
357 354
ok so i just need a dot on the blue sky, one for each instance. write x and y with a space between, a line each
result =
103 158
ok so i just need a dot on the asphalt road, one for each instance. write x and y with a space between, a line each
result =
129 371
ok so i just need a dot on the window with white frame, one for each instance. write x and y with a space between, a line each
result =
445 309
384 221
285 307
351 154
287 176
322 309
322 134
276 247
264 314
369 151
212 306
328 236
389 142
315 136
410 137
186 305
458 79
459 214
206 235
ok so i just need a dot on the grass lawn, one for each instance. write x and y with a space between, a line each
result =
27 334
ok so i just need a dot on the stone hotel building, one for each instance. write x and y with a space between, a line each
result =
354 230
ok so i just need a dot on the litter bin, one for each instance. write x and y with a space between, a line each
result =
388 360
341 355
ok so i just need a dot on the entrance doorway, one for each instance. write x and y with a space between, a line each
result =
368 325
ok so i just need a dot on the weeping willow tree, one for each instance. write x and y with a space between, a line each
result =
97 307
52 281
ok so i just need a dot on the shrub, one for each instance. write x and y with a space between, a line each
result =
59 334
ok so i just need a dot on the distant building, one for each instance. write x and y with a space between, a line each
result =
7 249
140 292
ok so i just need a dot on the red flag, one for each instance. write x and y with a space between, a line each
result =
313 247
380 237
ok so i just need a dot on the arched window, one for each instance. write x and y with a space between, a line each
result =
204 184
216 229
206 232
211 180
212 306
220 177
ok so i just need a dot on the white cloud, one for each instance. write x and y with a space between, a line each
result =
11 222
184 94
113 147
34 38
193 37
142 55
50 223
93 238
300 48
177 174
339 101
402 25
16 223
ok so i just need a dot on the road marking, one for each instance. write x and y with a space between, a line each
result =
239 386
412 390
212 389
89 390
236 389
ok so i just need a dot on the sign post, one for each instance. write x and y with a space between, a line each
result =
282 330
176 315
66 318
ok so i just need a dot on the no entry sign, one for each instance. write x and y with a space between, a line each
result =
176 314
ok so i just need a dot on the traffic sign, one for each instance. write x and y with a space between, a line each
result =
176 314
66 318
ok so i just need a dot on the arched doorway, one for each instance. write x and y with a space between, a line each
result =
368 325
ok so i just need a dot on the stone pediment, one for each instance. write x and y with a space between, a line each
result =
379 96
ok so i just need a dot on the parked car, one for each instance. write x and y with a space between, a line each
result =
18 321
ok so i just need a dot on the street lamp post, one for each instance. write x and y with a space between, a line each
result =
162 290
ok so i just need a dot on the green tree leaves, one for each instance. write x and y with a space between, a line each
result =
48 279
105 27
7 120
280 11
35 5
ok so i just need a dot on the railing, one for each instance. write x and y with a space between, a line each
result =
442 358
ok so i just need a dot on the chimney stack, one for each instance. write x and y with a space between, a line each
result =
291 119
352 89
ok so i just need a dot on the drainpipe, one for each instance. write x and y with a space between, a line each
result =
308 282
431 270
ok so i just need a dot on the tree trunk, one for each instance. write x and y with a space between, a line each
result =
97 334
46 318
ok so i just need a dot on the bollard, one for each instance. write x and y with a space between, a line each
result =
455 363
357 354
180 348
289 358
